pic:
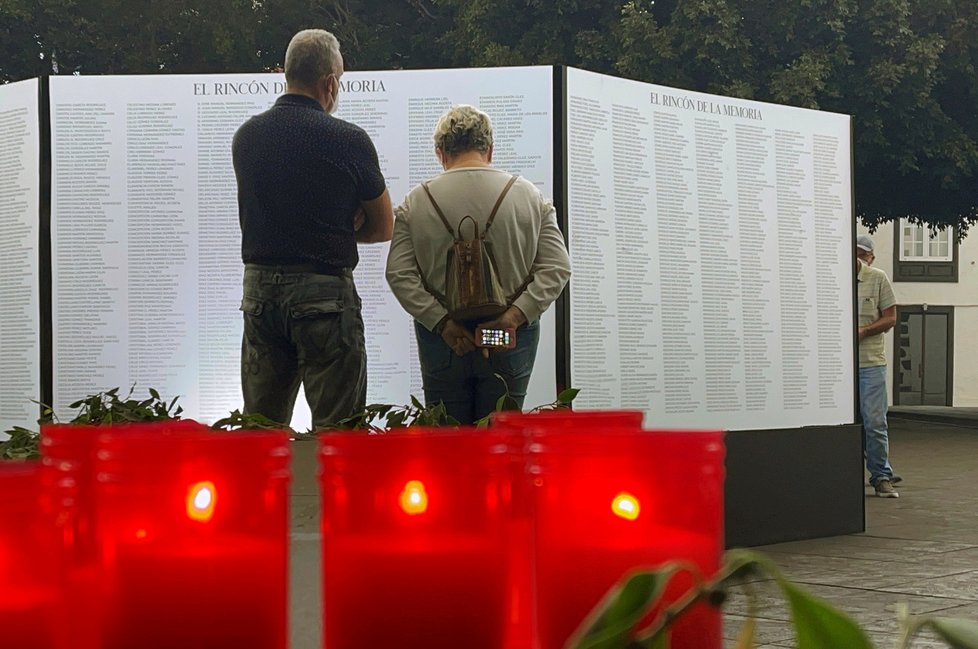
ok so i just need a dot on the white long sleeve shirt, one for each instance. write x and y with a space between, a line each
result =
524 236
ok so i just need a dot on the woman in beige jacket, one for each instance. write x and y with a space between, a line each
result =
528 248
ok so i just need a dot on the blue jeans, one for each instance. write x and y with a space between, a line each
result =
468 385
872 410
302 328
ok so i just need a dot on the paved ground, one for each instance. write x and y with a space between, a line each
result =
920 549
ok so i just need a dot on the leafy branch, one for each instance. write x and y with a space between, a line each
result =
613 623
507 402
238 420
98 409
378 417
22 444
563 400
107 408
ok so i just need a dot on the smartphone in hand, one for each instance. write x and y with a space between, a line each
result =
495 338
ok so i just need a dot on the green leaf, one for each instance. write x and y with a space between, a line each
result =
610 624
379 407
567 396
417 404
746 639
500 402
506 402
661 641
960 634
818 625
22 444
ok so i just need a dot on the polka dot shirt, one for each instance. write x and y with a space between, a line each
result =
301 176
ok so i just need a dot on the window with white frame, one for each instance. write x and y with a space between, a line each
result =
918 243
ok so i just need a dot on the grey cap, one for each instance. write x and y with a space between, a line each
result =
864 242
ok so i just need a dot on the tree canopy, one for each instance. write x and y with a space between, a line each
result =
905 71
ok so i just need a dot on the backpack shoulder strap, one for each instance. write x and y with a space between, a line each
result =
499 201
441 214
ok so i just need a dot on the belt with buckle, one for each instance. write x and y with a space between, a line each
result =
316 269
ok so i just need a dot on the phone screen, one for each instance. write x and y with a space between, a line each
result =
498 338
495 337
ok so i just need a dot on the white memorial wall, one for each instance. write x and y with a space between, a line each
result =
146 245
20 331
710 240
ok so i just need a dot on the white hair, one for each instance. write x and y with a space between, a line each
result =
463 128
312 54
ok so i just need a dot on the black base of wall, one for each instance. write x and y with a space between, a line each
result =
788 485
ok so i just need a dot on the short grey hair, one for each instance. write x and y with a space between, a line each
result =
463 128
312 54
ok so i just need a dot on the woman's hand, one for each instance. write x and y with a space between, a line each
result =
512 318
456 336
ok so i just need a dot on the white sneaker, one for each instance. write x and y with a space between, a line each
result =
884 489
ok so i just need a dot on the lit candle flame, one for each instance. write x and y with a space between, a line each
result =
201 498
414 499
626 506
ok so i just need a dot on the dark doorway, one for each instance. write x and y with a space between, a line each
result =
924 349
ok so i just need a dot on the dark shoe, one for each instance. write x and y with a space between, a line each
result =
884 489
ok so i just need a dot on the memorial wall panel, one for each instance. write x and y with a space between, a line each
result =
20 330
145 239
712 247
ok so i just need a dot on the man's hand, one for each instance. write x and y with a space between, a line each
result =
359 218
884 323
378 222
456 336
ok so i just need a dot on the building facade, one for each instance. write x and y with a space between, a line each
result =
932 353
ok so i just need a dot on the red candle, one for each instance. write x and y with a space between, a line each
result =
68 478
193 533
611 501
518 425
68 456
28 596
414 548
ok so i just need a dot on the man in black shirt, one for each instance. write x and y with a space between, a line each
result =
309 189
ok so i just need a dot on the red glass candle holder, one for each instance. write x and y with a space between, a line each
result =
28 594
413 539
519 426
68 457
68 478
610 501
192 531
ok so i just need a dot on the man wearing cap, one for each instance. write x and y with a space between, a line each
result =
877 315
